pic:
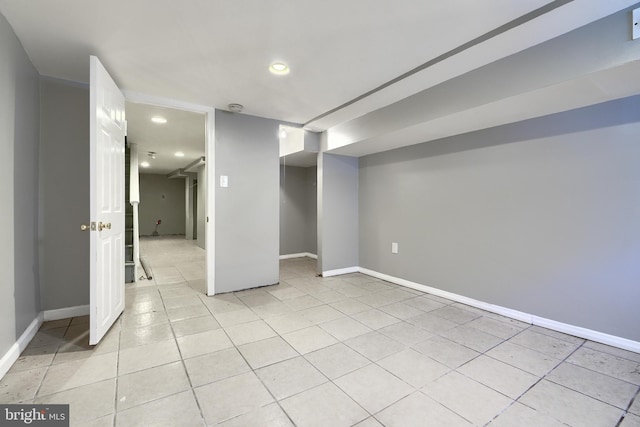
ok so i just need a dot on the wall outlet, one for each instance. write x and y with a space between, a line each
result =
394 248
635 23
224 181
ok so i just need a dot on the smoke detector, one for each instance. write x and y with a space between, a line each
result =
236 108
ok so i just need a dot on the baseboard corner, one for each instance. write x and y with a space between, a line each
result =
340 271
10 357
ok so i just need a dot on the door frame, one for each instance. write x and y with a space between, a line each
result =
209 152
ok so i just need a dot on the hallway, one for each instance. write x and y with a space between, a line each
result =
341 351
172 259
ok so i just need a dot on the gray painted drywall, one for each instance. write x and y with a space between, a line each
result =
64 194
161 198
201 217
539 216
337 212
188 208
297 210
246 212
19 135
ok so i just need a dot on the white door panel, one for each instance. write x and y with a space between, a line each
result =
107 130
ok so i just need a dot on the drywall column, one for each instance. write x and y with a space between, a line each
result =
337 214
188 208
202 203
247 211
134 199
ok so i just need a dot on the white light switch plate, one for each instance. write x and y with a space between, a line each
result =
224 181
394 248
635 23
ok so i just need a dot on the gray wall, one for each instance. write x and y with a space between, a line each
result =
161 198
188 208
298 210
539 216
64 194
246 212
337 212
19 134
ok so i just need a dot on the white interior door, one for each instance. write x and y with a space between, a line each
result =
107 201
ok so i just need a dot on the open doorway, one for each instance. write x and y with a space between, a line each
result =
298 203
168 229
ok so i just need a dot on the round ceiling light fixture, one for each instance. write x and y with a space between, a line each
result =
178 154
152 154
236 108
144 164
159 120
279 68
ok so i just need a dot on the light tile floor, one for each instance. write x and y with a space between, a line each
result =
343 351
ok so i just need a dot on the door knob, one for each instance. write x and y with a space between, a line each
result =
90 226
102 226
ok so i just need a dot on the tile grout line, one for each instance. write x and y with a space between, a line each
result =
46 372
517 400
184 365
544 377
251 367
157 289
115 394
627 411
329 380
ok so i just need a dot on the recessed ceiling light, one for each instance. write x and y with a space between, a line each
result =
159 119
178 154
279 68
144 164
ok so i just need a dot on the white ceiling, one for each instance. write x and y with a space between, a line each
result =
184 131
217 52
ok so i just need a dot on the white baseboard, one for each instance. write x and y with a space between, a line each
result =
299 255
577 331
65 313
18 347
589 334
340 271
